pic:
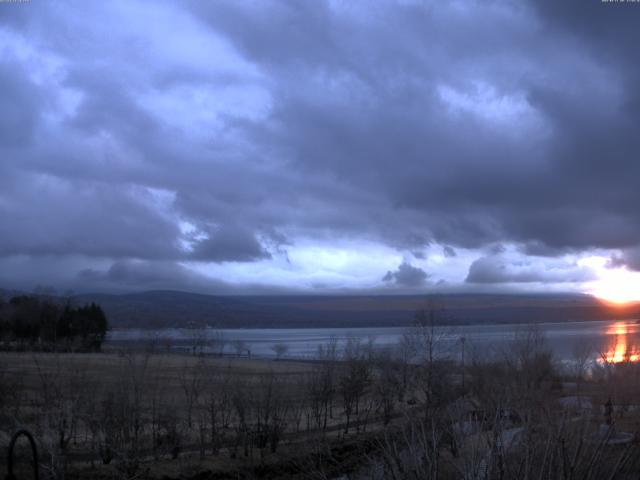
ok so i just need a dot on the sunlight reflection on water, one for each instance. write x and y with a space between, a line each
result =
623 344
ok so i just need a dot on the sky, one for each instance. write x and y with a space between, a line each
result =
320 147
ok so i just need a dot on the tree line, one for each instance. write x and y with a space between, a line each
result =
30 321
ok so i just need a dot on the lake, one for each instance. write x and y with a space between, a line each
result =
616 340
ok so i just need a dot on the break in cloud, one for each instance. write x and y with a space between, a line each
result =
237 147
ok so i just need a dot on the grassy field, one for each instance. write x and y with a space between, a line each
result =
169 395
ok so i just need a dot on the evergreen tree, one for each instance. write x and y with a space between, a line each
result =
31 320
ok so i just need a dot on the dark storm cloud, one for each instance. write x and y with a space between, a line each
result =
229 244
540 249
406 276
42 215
494 269
469 125
472 182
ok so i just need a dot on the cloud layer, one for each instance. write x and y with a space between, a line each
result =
183 144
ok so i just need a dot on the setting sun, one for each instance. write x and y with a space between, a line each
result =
617 286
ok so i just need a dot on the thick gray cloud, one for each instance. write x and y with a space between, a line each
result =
496 269
44 215
126 275
19 104
151 275
406 276
629 258
227 132
448 251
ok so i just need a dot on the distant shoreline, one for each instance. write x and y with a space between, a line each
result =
342 326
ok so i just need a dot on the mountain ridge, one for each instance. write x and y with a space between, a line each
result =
171 308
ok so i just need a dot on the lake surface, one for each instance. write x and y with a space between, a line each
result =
617 341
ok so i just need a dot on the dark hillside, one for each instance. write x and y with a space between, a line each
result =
155 309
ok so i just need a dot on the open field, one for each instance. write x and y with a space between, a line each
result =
173 411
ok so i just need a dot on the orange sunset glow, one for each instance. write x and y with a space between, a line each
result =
622 345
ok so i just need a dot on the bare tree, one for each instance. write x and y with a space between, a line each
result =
12 392
240 401
280 349
61 395
385 387
404 354
321 384
240 346
170 438
218 403
123 411
198 338
270 409
156 394
529 358
318 392
429 342
192 382
354 381
218 342
413 452
583 354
